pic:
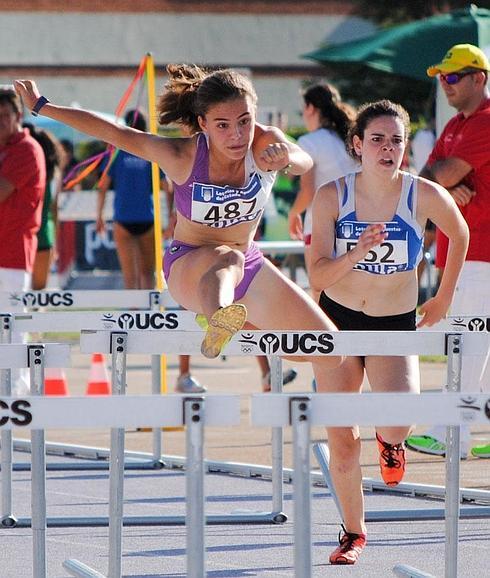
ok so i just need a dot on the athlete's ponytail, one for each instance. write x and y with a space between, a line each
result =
177 103
334 114
190 91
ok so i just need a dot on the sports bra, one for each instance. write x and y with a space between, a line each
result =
222 206
401 250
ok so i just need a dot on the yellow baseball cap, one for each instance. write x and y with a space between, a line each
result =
459 57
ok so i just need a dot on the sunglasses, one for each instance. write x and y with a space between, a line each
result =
455 77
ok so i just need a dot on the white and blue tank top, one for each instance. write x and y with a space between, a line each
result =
222 206
401 250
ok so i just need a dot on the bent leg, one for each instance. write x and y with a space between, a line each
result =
204 279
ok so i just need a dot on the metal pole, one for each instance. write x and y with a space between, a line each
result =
156 379
7 518
195 519
322 454
453 450
277 446
300 420
116 469
38 475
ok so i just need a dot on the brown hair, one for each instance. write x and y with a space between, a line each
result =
370 111
335 114
9 96
54 154
191 91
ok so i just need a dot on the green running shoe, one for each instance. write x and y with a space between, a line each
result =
202 321
482 451
426 445
430 445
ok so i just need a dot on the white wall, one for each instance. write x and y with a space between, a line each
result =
51 39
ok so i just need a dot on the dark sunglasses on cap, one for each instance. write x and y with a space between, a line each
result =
455 77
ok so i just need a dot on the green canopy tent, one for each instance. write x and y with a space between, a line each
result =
408 49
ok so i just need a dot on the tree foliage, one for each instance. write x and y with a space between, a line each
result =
407 10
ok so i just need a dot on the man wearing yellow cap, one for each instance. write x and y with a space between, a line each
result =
460 161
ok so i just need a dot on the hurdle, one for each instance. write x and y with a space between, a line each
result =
451 324
303 411
117 412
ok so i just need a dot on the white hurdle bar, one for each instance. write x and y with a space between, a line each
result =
18 301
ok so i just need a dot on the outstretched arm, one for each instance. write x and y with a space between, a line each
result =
167 152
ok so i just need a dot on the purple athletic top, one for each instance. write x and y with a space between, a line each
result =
222 206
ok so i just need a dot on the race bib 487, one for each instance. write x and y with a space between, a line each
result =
225 206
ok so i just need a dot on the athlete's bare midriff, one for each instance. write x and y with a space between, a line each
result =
238 236
376 295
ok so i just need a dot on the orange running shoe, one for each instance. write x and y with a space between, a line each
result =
391 461
350 548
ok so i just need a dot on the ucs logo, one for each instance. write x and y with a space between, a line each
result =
477 324
45 299
147 321
19 414
296 343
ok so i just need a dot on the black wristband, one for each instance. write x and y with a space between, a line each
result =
40 102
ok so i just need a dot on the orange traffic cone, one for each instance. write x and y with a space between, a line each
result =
98 381
55 382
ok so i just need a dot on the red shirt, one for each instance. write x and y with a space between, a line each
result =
22 164
468 138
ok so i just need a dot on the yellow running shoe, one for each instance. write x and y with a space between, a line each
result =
222 326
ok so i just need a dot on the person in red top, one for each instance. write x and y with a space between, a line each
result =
460 161
22 184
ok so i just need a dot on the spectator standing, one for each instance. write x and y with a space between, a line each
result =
327 120
46 236
460 162
22 184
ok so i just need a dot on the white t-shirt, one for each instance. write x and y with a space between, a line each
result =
331 161
422 144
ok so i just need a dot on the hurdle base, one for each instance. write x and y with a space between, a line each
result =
84 466
404 571
76 568
211 520
9 521
424 514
